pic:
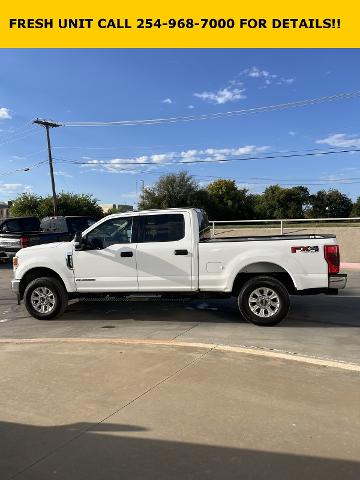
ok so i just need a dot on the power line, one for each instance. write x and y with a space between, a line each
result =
19 136
135 162
265 181
190 118
24 169
15 131
344 181
207 152
306 181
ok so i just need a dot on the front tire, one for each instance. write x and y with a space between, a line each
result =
264 301
45 298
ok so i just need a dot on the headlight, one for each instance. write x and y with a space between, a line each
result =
15 262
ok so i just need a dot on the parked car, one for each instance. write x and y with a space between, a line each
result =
165 253
21 232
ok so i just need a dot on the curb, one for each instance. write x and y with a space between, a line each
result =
249 350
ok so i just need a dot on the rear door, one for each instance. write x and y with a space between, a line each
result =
164 252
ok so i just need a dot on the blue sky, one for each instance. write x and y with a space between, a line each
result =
107 85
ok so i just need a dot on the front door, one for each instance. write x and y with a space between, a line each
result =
107 263
164 252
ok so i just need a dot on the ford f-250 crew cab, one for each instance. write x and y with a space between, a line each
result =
170 253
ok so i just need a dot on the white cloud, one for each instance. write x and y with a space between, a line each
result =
11 188
151 162
4 113
191 107
167 100
256 72
341 140
60 173
267 77
227 94
17 157
289 81
292 133
235 88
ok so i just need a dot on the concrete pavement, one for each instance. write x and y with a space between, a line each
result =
166 412
79 402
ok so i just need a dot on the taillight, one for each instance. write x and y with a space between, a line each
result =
24 242
332 256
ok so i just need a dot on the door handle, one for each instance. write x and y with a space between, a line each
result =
181 252
126 254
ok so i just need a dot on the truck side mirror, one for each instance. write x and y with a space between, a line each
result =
78 241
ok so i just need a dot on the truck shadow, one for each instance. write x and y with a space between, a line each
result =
316 312
113 451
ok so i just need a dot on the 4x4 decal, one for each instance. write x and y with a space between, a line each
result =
305 249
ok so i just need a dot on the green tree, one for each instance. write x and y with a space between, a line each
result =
278 202
331 203
113 210
67 203
228 202
173 190
356 208
26 205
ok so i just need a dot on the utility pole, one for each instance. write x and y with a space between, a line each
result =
47 125
139 189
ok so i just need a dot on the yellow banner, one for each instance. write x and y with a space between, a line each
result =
191 24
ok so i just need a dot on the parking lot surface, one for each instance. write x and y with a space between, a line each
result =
89 412
320 326
162 391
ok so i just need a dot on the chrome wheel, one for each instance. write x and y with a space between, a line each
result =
264 302
43 300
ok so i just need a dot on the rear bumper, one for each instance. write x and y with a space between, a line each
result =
338 281
4 256
335 283
7 254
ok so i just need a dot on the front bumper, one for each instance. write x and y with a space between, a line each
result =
15 286
338 281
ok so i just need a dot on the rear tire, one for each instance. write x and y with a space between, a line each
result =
45 298
264 301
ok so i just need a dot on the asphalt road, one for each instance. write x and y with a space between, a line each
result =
320 326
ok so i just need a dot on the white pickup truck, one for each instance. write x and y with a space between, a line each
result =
170 253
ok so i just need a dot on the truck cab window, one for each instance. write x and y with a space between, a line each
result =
112 232
162 228
204 226
12 226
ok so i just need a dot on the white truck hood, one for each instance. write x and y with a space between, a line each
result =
29 251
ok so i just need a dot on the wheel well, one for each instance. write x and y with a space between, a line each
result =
37 273
261 269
